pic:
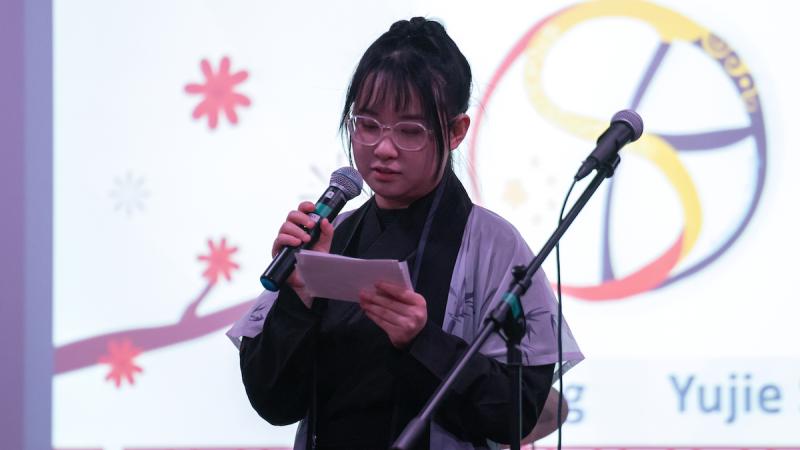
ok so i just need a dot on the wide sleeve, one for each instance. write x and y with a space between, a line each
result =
479 401
276 339
490 249
277 363
478 404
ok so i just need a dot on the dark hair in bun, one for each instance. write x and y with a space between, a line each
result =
415 58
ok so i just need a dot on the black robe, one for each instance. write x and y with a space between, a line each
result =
335 365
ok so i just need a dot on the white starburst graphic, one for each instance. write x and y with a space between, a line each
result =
129 193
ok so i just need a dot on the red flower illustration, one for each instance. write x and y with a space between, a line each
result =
120 357
218 92
219 261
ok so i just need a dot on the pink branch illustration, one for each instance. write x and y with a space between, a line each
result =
118 349
88 352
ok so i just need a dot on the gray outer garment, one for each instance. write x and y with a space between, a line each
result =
489 249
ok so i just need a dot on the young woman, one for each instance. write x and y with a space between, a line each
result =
355 374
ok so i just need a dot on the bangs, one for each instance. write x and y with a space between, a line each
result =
421 73
390 87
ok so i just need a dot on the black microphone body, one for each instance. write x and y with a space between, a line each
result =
626 126
345 185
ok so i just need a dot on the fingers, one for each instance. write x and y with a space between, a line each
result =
393 310
391 330
306 207
389 302
299 220
289 235
384 316
399 293
292 232
388 311
284 240
325 237
401 320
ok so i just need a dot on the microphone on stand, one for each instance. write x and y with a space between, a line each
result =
508 315
626 126
345 185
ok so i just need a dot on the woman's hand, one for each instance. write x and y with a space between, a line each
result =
292 234
399 311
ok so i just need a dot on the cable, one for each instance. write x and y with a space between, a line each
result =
560 318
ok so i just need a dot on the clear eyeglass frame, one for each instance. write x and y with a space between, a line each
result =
409 136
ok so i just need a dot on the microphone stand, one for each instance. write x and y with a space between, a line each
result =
508 317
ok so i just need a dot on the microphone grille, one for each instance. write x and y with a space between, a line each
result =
632 119
348 180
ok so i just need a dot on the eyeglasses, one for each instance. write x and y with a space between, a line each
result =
408 136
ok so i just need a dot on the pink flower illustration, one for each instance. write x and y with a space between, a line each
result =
218 92
120 357
219 261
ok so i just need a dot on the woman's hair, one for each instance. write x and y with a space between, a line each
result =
415 58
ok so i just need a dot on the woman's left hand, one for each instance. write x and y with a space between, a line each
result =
399 311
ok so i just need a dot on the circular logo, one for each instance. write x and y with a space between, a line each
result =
684 192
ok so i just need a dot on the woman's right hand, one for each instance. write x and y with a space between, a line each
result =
291 234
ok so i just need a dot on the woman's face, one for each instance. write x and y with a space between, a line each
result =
398 177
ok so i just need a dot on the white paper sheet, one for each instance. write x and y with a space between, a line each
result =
342 278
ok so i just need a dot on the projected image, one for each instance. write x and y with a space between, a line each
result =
178 151
555 62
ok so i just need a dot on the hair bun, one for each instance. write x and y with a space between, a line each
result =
417 26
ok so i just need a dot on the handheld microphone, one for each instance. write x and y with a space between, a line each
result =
626 126
345 185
